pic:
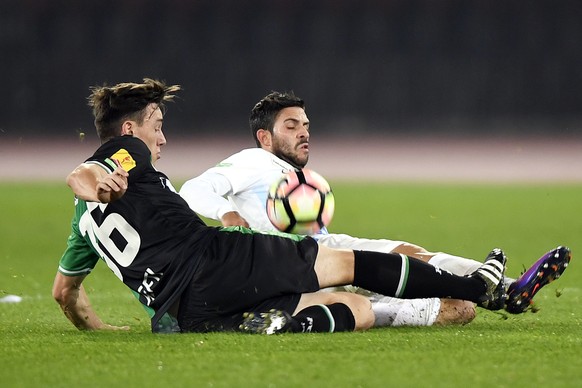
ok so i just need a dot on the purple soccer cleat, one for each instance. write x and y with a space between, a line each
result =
548 268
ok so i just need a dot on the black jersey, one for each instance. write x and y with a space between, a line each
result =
149 238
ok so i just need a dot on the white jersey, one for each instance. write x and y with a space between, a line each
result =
241 183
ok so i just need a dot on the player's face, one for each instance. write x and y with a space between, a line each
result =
290 139
150 132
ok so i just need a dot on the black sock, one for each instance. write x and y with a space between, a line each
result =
406 277
324 319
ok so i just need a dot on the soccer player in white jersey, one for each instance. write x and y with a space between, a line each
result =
235 191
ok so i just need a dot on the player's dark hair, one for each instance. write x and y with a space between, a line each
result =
113 105
264 113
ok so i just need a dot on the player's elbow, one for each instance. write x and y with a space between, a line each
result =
83 181
72 180
194 189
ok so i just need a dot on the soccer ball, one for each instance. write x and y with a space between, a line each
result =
300 202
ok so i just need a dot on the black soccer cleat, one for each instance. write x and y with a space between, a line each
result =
492 273
272 322
545 270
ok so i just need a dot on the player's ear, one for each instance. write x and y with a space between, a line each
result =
264 137
127 128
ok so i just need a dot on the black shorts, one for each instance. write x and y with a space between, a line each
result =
244 271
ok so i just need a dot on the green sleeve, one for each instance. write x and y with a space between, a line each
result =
79 258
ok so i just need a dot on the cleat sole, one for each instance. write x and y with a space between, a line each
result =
555 264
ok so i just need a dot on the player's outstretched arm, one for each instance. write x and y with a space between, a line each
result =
71 297
206 195
92 183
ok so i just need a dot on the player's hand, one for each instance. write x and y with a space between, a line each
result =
112 186
233 219
107 326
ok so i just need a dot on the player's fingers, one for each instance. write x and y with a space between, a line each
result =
103 187
111 183
112 327
120 181
120 170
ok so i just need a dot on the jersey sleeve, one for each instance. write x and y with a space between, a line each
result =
79 258
239 183
206 194
128 151
243 169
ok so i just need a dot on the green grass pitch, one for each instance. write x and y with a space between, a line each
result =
39 347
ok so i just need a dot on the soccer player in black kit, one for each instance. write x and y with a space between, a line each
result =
128 214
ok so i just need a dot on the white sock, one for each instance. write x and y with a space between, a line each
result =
461 266
454 264
404 312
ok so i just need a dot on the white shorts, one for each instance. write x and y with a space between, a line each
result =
344 241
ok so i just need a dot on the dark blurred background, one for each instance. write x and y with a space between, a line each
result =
404 66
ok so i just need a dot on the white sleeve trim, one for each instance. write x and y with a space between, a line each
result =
83 271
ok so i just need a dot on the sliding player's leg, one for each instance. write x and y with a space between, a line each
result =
455 264
404 277
315 313
394 312
391 311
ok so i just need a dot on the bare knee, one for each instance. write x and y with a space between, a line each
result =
455 312
413 250
362 309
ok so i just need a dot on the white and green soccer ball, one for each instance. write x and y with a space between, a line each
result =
300 202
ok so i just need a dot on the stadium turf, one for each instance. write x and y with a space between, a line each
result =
41 348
